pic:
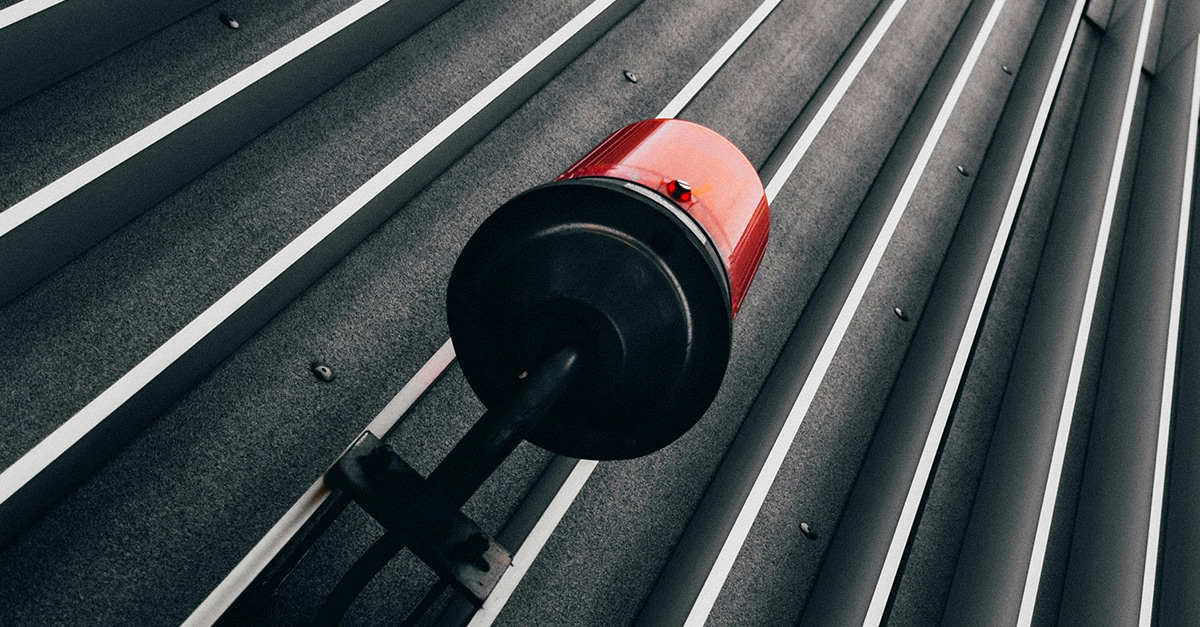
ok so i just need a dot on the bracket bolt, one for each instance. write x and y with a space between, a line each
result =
1007 70
962 171
808 531
228 20
470 551
900 314
630 76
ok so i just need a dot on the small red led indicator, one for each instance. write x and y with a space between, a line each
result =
679 190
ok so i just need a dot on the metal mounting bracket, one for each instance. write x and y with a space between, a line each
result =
390 490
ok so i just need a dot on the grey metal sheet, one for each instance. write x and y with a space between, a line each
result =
168 515
929 565
45 136
1104 579
50 227
863 560
991 579
1177 601
41 43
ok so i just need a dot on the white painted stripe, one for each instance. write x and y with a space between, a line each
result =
21 10
835 98
78 426
916 491
1150 572
533 544
762 483
1050 496
718 59
99 165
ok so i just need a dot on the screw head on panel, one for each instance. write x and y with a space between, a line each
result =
808 531
630 76
962 171
1006 69
322 371
900 314
228 20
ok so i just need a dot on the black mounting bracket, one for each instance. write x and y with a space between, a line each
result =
392 492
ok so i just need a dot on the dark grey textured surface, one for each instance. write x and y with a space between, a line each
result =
57 39
761 90
1000 536
45 136
1054 572
328 148
929 566
1182 21
777 566
891 468
83 327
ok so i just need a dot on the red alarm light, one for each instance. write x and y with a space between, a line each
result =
638 257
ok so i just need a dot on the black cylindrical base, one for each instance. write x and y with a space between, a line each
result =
621 274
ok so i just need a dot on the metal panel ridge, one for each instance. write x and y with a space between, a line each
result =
1000 567
58 222
53 467
859 574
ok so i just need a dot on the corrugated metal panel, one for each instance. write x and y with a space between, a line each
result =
960 384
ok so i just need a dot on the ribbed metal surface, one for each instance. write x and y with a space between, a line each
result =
961 386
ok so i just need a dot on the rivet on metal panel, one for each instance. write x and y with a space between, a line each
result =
630 76
322 371
963 171
1007 70
228 20
900 314
808 531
